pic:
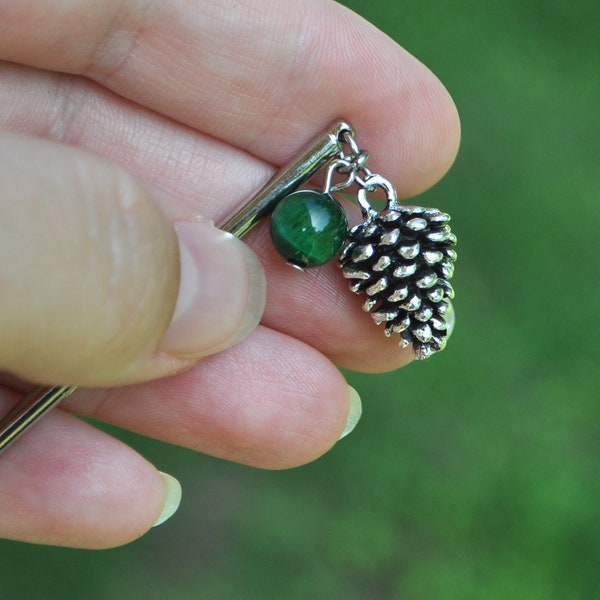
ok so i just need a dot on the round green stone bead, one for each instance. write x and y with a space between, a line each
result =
308 228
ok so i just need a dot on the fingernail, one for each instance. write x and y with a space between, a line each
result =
222 292
450 317
354 414
172 498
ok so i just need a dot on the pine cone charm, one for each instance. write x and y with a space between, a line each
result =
402 258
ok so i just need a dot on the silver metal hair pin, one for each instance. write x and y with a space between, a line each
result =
400 257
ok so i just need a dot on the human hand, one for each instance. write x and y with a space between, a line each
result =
120 118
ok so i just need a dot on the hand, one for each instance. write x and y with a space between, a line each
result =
120 119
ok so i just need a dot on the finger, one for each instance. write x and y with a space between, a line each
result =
98 288
315 307
270 78
71 485
282 405
200 174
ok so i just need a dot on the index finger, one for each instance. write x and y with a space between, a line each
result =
262 76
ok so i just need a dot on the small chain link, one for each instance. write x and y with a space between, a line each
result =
356 157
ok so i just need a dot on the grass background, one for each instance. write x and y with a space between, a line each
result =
475 475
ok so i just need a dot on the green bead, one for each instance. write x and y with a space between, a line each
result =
308 228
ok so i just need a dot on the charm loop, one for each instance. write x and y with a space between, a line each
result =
370 185
344 167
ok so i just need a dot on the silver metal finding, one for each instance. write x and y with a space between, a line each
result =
316 155
29 409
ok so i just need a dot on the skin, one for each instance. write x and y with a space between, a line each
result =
178 111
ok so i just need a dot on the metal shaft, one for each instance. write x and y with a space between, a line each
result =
319 152
287 179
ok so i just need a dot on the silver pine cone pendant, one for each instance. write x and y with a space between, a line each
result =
402 258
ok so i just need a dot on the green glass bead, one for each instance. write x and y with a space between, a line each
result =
308 228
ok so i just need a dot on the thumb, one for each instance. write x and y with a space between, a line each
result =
97 287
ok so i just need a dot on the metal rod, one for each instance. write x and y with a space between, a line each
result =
287 179
29 409
318 153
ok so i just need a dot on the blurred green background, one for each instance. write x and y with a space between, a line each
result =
476 474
